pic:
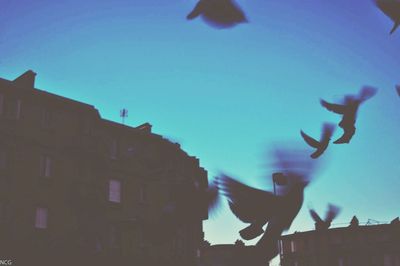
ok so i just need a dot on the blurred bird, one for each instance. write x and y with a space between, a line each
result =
327 131
258 207
330 215
390 8
398 89
218 13
349 111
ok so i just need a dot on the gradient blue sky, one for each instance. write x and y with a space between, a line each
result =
225 95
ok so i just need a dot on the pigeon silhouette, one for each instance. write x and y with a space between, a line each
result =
398 89
348 110
258 207
330 215
390 8
218 13
327 131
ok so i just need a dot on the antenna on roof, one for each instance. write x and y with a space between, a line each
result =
123 113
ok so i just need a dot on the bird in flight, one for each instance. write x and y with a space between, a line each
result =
258 207
390 8
330 215
327 131
348 110
218 13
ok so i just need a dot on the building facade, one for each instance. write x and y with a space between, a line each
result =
76 188
237 254
356 245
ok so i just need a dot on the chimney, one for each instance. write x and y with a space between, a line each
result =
26 80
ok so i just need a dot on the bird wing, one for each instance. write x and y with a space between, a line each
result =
247 203
211 198
336 108
327 130
310 141
332 212
197 10
389 8
395 26
315 216
398 89
366 92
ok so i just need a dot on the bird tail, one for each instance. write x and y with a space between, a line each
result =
252 231
396 24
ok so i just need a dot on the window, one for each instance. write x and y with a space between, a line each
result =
387 260
13 109
2 211
115 237
1 104
45 165
114 191
3 159
113 149
47 118
142 193
292 246
41 218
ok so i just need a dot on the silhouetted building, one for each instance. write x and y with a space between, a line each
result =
82 190
355 245
230 255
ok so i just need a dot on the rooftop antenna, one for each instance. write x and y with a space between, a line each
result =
123 113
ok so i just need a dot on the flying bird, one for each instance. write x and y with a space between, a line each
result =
327 131
258 207
348 110
218 13
390 8
330 215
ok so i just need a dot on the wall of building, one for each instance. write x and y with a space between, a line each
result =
73 185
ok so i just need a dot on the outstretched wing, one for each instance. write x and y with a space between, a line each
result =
389 8
247 203
310 141
366 92
332 212
336 108
211 197
197 10
315 216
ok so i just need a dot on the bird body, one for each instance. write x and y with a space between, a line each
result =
259 207
322 145
218 13
349 110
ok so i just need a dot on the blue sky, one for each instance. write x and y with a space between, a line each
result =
226 95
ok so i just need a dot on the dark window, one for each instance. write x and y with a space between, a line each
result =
47 118
13 108
45 165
